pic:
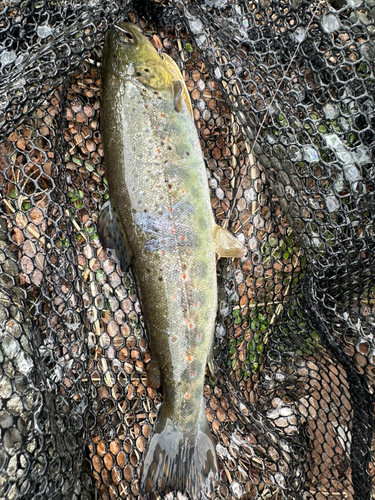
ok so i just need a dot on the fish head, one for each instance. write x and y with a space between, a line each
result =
129 55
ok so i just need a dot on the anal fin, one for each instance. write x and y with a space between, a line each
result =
227 245
113 237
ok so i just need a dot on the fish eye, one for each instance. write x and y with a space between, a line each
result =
128 37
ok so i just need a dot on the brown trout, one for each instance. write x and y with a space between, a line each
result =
159 220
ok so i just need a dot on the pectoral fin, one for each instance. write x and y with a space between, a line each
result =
113 237
176 73
177 95
227 245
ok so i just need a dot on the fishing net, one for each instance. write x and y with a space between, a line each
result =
283 96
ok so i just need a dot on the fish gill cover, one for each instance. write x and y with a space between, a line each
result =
283 99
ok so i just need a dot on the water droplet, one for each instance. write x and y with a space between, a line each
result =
310 154
300 34
216 3
220 331
353 4
330 23
352 173
330 111
24 363
44 31
7 57
10 346
196 25
334 142
332 204
368 51
237 489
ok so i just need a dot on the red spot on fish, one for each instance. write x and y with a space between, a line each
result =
190 325
173 231
184 276
170 209
182 238
192 374
158 151
162 114
187 395
146 106
168 139
199 336
174 297
187 320
195 305
189 358
182 191
174 161
162 252
157 127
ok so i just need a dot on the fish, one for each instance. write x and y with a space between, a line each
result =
159 221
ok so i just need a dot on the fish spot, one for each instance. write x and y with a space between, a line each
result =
182 191
184 276
174 338
170 186
192 374
187 153
189 358
173 231
199 336
170 209
162 114
182 238
160 278
187 395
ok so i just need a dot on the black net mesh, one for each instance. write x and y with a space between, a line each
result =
283 97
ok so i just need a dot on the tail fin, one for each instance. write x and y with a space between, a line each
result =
180 461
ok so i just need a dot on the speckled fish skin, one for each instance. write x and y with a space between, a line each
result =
157 180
